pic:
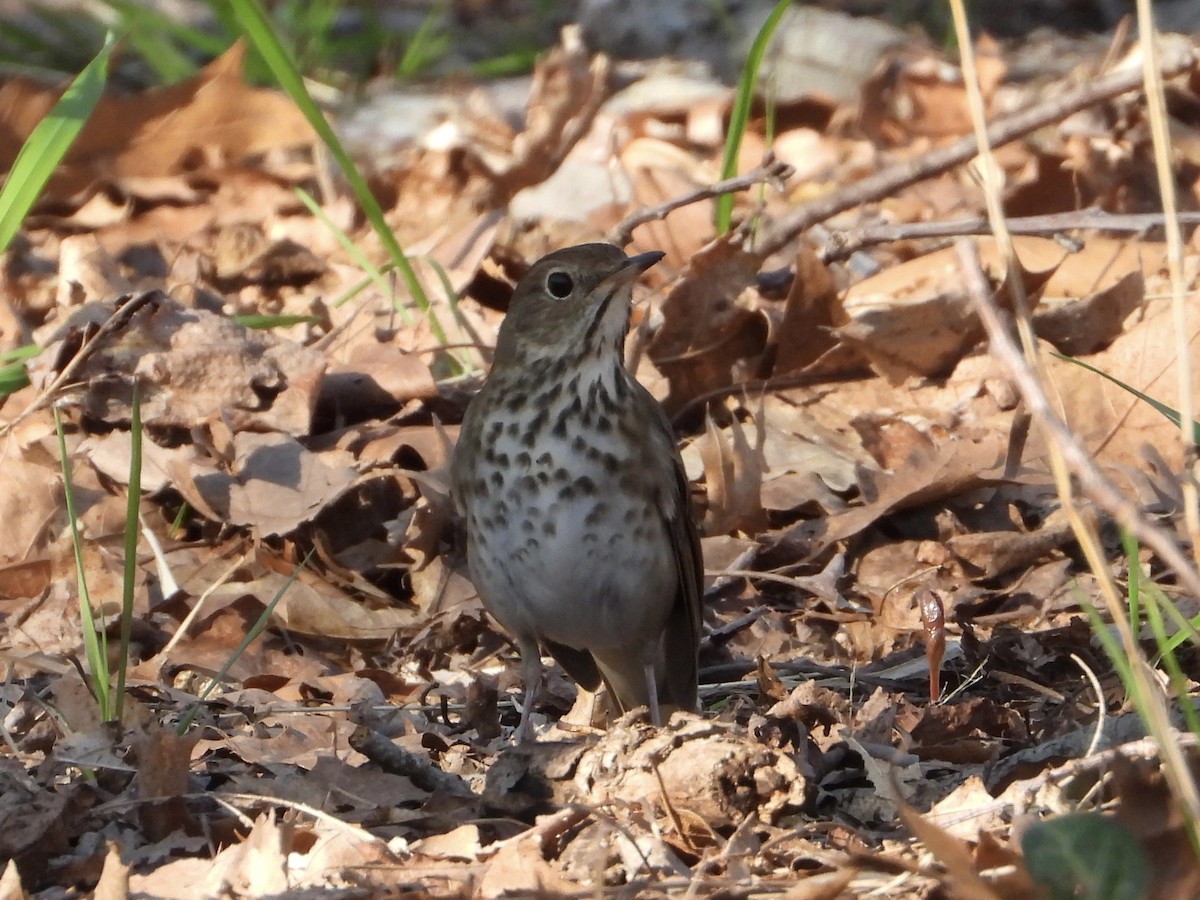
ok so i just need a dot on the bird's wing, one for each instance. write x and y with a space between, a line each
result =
682 637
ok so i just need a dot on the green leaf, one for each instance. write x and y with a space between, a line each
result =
257 28
264 322
13 377
1086 855
95 641
20 354
48 144
1171 414
132 530
740 114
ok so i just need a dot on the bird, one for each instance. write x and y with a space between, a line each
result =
580 533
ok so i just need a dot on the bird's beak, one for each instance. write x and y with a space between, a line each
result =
633 266
643 261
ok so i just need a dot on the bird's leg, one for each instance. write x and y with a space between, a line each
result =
652 693
531 675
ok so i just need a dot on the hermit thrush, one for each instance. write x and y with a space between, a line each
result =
580 534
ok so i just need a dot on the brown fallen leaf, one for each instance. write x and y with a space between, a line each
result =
917 319
193 368
733 476
278 485
961 870
159 132
933 469
707 327
26 579
813 307
922 95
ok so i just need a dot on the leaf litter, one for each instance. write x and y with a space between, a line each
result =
895 648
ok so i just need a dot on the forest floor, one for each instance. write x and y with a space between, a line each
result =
901 685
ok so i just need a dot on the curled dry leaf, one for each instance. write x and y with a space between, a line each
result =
569 86
194 368
109 455
31 497
34 823
315 608
275 486
520 864
1114 424
917 318
1091 294
925 97
936 466
24 579
707 330
733 474
811 457
812 308
990 554
480 164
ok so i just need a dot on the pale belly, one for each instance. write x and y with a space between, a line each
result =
581 559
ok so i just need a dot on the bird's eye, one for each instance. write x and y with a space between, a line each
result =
559 284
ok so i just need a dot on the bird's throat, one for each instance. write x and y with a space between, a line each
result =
603 333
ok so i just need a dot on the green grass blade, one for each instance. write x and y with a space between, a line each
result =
147 18
358 287
351 249
1169 662
740 114
95 645
264 322
255 630
506 65
1111 647
426 46
1133 592
20 354
257 29
13 375
132 527
48 144
1171 414
462 359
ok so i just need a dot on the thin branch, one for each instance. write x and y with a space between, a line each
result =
770 171
125 307
844 244
1092 482
893 178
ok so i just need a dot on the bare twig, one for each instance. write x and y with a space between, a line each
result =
1156 110
1094 483
770 171
895 177
395 759
126 306
843 244
1098 763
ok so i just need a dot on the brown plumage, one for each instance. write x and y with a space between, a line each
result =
580 533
